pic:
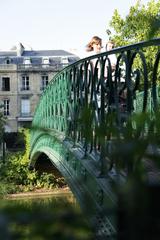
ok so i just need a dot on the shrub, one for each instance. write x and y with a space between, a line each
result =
15 175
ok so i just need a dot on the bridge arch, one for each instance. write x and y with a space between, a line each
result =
90 191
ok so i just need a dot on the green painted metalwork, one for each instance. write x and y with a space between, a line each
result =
70 122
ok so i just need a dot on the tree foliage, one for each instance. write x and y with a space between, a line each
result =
16 177
141 23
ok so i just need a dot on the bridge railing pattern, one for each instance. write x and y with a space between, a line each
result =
80 100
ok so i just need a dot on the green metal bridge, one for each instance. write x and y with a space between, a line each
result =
77 115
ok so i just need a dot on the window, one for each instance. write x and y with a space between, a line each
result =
27 61
7 61
64 61
25 83
6 107
45 62
44 82
5 84
25 107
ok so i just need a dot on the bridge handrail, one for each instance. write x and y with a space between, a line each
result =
80 100
142 44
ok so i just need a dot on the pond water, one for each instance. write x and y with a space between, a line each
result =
53 216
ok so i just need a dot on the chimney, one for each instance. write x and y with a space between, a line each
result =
20 49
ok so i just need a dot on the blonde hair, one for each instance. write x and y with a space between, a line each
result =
94 40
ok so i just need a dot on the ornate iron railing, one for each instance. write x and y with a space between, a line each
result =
80 101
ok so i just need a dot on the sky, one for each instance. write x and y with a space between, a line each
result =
57 24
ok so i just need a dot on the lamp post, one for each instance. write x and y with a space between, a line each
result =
2 132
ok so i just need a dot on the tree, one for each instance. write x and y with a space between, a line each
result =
142 23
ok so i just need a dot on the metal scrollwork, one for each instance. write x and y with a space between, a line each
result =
81 99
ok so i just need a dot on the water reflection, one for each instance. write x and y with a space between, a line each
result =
56 216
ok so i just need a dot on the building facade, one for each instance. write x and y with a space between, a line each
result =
24 74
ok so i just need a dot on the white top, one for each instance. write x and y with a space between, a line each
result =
113 59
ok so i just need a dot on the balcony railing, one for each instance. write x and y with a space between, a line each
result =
33 67
8 67
25 88
39 67
25 117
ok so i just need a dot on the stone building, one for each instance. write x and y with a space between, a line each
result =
24 74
